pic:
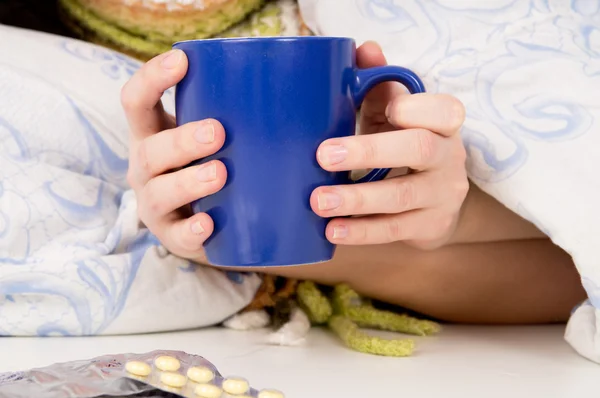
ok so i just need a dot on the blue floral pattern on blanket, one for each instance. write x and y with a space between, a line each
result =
528 72
557 31
50 169
73 254
113 64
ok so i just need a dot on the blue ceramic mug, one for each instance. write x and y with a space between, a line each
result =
278 99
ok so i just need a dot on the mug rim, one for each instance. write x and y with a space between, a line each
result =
255 39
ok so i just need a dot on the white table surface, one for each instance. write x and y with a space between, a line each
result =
466 362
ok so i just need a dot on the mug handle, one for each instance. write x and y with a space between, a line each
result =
368 78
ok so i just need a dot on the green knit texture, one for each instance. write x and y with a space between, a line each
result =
359 341
265 21
348 303
314 303
345 312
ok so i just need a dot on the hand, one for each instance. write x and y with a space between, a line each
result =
420 132
158 149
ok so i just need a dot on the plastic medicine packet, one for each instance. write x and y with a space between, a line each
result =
157 374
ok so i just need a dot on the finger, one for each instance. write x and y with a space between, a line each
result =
370 55
416 148
168 192
418 225
186 236
176 148
440 113
141 95
396 195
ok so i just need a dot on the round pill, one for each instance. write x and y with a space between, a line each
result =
270 394
167 364
208 391
173 379
200 374
138 368
235 386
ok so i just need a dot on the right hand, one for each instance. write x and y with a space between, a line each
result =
159 150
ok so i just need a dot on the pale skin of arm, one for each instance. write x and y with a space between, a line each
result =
497 269
483 219
465 258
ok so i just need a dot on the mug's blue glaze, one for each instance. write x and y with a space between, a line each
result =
278 99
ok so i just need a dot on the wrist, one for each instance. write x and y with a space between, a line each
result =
462 230
483 219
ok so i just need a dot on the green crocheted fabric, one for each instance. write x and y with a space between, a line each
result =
266 21
348 303
360 341
345 312
313 302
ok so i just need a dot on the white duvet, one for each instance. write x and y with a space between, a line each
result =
528 72
74 259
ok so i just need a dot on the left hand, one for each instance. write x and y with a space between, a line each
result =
398 130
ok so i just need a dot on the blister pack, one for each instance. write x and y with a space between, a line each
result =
157 374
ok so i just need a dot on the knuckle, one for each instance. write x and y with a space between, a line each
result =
393 230
152 204
426 146
142 159
182 184
179 141
130 100
369 151
187 186
404 195
356 200
359 233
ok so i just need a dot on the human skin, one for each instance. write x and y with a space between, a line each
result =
426 240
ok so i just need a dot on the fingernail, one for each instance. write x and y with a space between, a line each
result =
197 228
172 59
207 172
332 154
205 133
329 201
340 232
